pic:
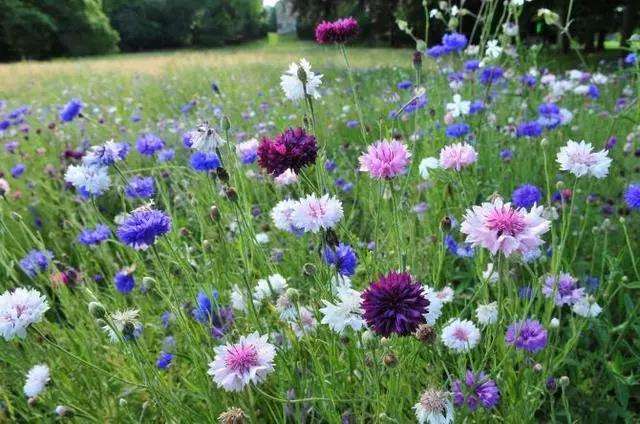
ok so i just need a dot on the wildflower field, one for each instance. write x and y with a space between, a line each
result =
298 232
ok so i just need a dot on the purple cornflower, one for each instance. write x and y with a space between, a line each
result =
94 236
35 262
70 110
18 170
529 129
528 335
611 142
476 390
124 281
394 304
563 288
204 161
148 144
293 149
454 42
491 75
526 196
528 80
457 130
164 360
140 187
142 227
472 65
632 196
342 257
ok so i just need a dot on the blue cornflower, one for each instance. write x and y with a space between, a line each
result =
416 104
529 129
124 280
187 141
164 360
148 144
35 262
631 59
70 110
404 85
4 124
352 123
94 236
529 80
166 155
472 65
454 42
491 75
330 165
464 251
18 170
208 312
548 109
526 196
436 51
457 130
166 318
342 257
593 91
140 188
476 107
632 196
142 227
204 161
186 108
106 154
506 155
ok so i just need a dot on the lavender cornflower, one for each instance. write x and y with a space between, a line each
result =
527 335
94 236
457 130
140 187
491 75
35 262
204 161
563 288
342 257
477 390
142 227
166 155
632 196
148 144
70 110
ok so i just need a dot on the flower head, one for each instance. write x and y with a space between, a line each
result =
236 365
37 379
563 288
457 130
487 313
476 390
106 154
293 149
148 144
434 407
339 31
526 196
71 110
126 324
580 159
313 213
394 304
454 42
124 281
204 161
89 180
342 257
94 236
499 227
457 156
19 309
528 335
140 187
35 262
346 313
142 227
299 81
385 159
460 335
247 151
632 196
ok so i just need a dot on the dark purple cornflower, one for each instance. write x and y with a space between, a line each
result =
35 262
140 187
204 161
404 85
342 257
491 75
339 31
94 236
457 130
526 196
551 384
70 110
394 304
18 170
529 129
632 196
454 42
293 149
148 144
124 281
527 335
142 227
476 390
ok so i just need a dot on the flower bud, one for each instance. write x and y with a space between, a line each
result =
225 124
231 193
425 333
214 213
97 310
309 269
390 359
563 381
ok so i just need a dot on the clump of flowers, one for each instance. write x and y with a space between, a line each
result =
385 159
18 310
394 304
293 149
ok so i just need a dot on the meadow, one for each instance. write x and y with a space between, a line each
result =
160 205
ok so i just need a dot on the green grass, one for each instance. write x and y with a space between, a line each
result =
321 376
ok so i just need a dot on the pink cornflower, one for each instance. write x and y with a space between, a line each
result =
385 159
457 156
248 361
339 31
497 226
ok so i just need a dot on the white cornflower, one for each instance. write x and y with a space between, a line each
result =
262 238
238 301
93 180
126 323
286 178
493 50
487 314
37 379
313 213
19 309
346 313
490 274
434 407
599 78
586 307
282 215
579 159
426 165
205 138
299 81
458 107
273 285
460 335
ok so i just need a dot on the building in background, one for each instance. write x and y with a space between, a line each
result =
286 18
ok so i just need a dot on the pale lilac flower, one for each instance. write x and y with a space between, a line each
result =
37 379
286 178
498 227
460 335
236 365
18 310
385 159
580 159
282 215
457 156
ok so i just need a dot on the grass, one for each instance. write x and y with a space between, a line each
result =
321 376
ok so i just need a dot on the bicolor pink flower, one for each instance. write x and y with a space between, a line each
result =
457 156
248 361
499 227
385 159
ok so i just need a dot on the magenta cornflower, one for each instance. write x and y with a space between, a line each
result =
385 159
293 149
499 227
457 156
394 304
339 31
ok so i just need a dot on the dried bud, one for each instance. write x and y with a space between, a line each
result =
231 193
222 174
214 213
425 333
232 416
445 224
331 238
390 359
563 381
